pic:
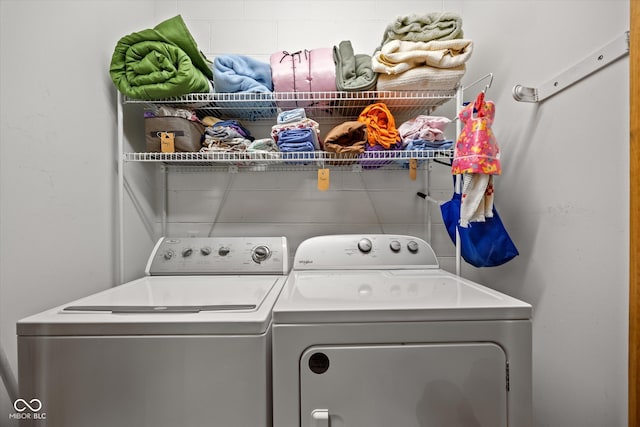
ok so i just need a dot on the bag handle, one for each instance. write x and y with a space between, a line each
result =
479 104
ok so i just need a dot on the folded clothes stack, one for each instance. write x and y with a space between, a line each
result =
296 119
226 136
422 52
295 133
230 136
424 133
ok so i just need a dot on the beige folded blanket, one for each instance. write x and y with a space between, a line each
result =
398 56
422 78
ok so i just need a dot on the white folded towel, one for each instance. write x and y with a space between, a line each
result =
398 56
477 198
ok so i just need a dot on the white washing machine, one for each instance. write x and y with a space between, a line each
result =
187 345
369 331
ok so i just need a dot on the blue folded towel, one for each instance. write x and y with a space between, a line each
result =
293 136
239 73
296 140
288 147
289 116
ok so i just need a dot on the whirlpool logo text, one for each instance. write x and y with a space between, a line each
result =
28 410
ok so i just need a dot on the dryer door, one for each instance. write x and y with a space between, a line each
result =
413 385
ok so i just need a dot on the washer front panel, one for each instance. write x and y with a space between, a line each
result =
411 385
148 381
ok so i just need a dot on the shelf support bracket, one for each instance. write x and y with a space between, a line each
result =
597 60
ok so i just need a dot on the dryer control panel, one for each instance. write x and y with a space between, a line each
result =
219 255
372 251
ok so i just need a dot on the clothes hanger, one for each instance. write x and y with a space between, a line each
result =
486 88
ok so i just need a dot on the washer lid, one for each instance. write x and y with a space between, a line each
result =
390 295
166 305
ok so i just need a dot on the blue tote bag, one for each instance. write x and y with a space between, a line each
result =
482 244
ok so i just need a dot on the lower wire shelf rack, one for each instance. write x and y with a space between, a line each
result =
275 161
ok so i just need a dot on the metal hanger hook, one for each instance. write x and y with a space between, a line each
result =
488 76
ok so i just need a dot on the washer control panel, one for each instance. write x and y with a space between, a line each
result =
375 251
219 255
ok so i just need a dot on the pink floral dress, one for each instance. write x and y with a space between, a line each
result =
476 149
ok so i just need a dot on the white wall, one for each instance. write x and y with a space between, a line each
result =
564 196
57 154
563 193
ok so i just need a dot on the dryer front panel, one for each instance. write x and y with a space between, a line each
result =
412 385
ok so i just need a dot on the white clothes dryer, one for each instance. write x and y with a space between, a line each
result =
369 331
189 344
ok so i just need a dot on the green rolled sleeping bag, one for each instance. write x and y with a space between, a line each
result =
160 63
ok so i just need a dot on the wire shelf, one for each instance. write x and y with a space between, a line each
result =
264 106
271 161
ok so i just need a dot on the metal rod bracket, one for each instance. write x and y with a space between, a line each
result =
597 60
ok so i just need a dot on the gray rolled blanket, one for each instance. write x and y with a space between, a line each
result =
425 27
353 71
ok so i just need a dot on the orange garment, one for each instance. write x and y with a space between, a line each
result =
381 126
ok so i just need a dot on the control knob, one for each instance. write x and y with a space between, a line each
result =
168 254
260 253
187 252
365 245
412 246
395 246
206 250
224 251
